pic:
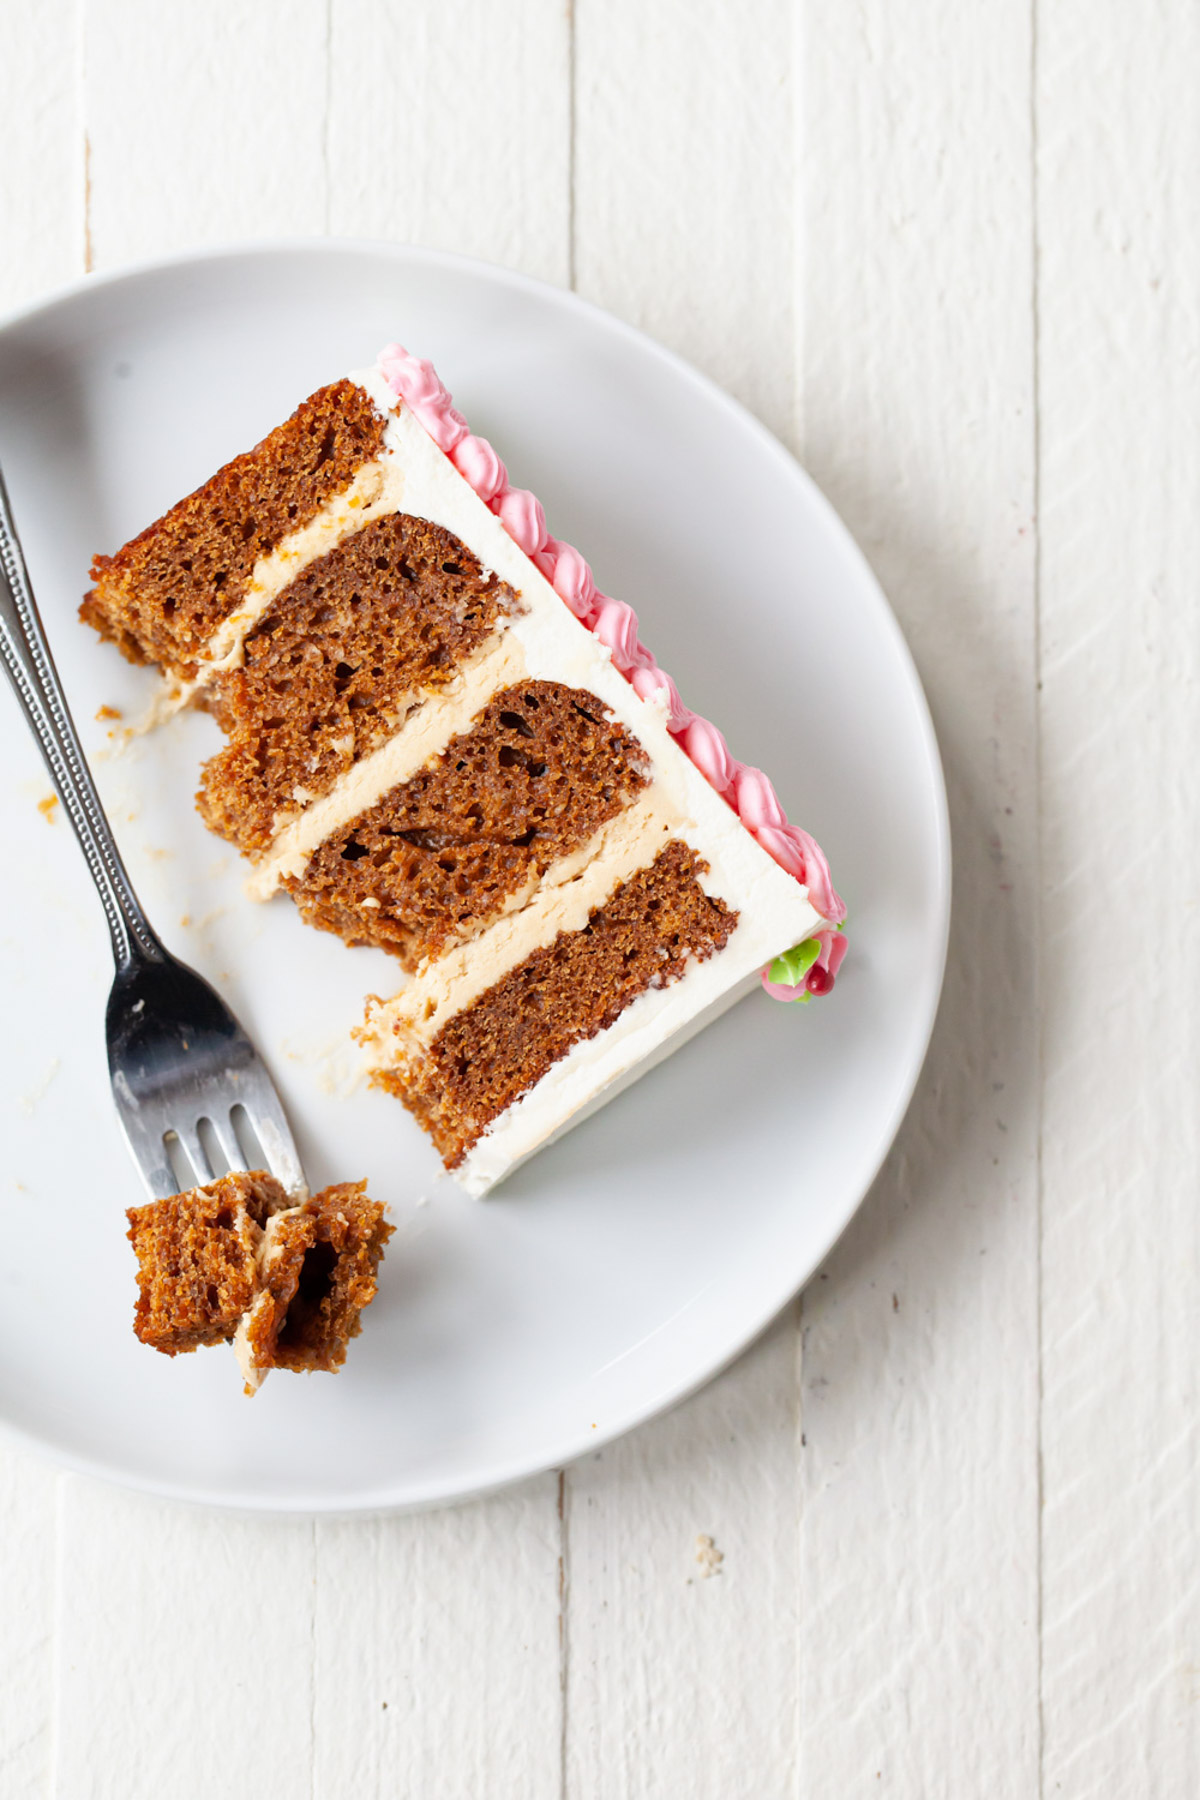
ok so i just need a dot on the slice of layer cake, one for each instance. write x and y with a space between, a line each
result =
442 739
239 1262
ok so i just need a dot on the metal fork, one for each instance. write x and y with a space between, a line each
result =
177 1057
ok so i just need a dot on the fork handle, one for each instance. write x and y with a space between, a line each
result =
30 667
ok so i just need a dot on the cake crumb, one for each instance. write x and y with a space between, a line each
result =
119 740
28 1102
240 1260
708 1556
337 1064
110 712
47 806
206 920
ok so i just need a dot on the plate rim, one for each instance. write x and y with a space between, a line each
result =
500 1474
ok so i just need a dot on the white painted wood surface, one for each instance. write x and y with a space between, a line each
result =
937 1533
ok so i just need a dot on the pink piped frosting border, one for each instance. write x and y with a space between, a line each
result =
746 790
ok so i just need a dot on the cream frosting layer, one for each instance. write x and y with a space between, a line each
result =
561 901
266 1253
376 491
433 722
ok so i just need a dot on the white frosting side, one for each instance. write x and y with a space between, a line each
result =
595 1071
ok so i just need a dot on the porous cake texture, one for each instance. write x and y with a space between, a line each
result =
238 1261
163 595
442 739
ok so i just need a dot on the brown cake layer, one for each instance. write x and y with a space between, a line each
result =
493 1051
330 670
196 1260
316 1280
165 593
541 769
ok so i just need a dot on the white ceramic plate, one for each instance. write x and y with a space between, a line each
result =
626 1264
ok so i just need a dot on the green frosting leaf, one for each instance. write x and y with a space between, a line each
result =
790 969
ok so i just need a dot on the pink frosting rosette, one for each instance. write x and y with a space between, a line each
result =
810 968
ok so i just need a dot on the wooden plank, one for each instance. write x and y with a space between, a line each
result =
184 1651
42 228
205 123
41 151
449 126
438 1636
683 183
199 157
683 226
918 1590
28 1540
1119 144
681 1584
438 1653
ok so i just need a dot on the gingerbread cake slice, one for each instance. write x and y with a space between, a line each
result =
238 1261
443 739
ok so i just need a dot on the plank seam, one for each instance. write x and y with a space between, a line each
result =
571 111
325 122
313 1541
564 1636
56 1640
797 265
1039 841
799 1445
89 260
